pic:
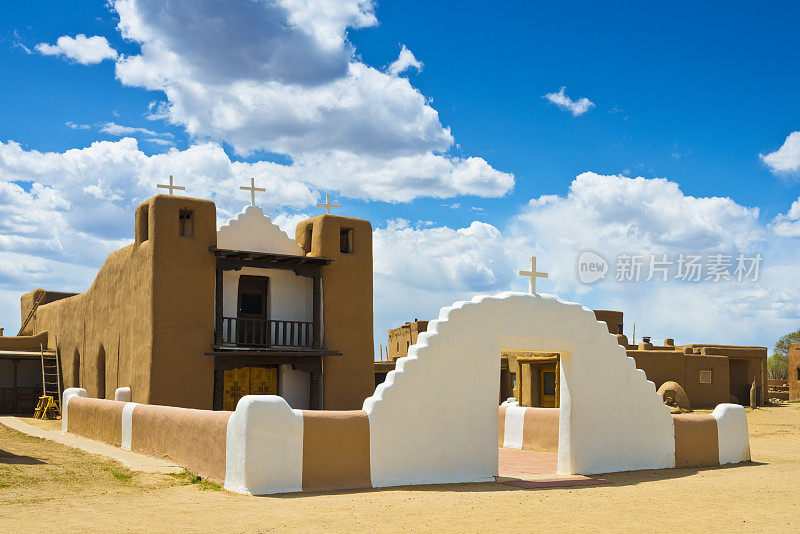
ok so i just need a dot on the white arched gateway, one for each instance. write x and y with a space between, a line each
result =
435 418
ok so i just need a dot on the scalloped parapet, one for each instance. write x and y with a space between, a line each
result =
435 417
251 230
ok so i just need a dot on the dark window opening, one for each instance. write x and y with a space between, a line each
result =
185 223
346 240
143 225
549 383
798 374
252 303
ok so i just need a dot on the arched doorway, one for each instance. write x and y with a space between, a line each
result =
100 373
76 369
435 418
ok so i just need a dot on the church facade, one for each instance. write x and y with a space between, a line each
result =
191 316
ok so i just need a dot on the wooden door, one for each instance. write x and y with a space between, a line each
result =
548 386
247 381
252 310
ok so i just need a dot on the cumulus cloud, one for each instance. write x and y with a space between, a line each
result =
283 77
576 107
421 268
405 60
80 49
788 224
785 160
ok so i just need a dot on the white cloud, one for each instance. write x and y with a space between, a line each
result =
419 269
405 60
576 107
284 78
787 158
119 130
788 224
81 49
77 126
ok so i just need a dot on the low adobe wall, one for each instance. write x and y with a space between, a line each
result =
533 429
272 448
700 440
194 439
267 447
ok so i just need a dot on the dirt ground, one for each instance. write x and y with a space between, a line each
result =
47 486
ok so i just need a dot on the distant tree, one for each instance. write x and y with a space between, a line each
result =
778 363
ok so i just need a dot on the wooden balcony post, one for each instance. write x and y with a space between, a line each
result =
317 281
218 308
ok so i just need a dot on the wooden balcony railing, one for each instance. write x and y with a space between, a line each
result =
267 333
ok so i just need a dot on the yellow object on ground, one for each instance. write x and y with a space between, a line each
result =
46 408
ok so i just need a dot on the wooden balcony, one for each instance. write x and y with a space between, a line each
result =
268 334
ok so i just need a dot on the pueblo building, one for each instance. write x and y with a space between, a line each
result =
709 374
191 316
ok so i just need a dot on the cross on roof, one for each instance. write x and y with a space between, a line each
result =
171 186
253 190
533 274
327 205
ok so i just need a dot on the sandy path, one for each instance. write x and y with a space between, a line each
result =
79 492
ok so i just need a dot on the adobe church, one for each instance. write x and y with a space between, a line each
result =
191 316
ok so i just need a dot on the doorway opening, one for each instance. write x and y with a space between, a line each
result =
529 430
531 377
252 310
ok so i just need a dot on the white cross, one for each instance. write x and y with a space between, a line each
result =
328 204
253 190
533 274
171 186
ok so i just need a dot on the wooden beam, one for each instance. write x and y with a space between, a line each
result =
317 311
218 307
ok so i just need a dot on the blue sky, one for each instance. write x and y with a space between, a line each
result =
684 95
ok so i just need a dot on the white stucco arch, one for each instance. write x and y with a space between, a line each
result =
435 418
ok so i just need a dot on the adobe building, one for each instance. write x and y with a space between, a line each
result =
793 377
402 337
191 316
709 374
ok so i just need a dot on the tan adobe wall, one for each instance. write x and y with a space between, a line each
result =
402 337
347 307
611 318
26 343
696 440
195 439
662 366
183 304
148 317
536 431
96 419
27 300
335 450
794 376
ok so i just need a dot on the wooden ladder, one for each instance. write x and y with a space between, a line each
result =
51 377
32 312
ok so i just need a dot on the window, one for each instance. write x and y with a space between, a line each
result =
548 383
185 223
705 376
143 228
346 240
798 374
